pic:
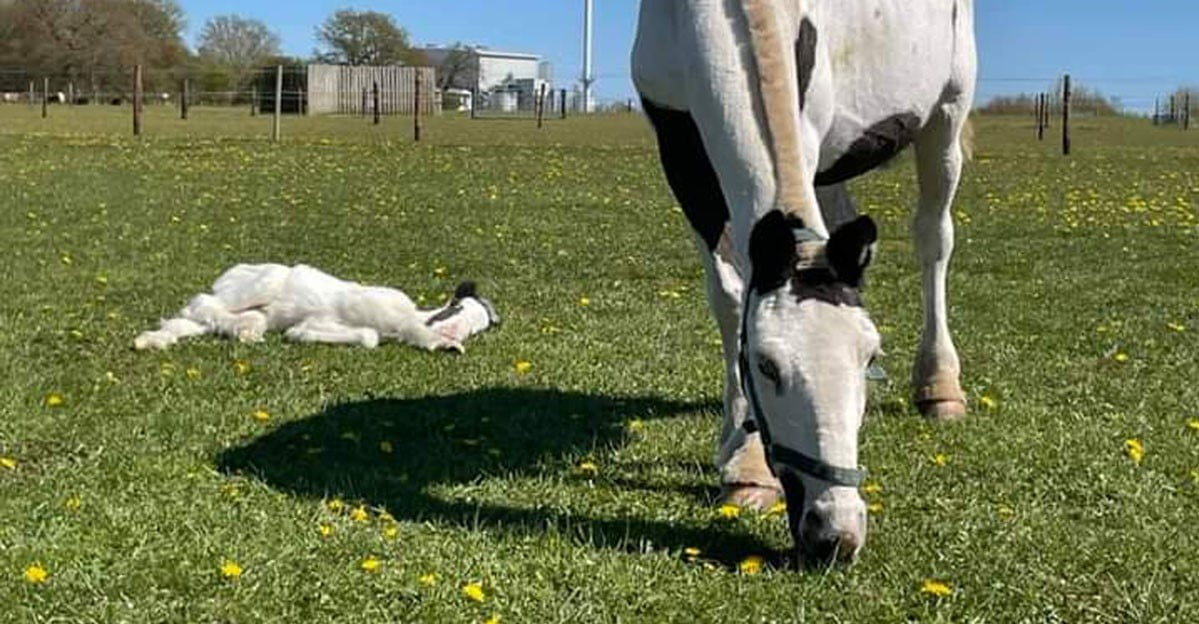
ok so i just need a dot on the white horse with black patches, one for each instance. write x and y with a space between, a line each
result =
763 109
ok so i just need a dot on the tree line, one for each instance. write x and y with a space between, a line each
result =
95 44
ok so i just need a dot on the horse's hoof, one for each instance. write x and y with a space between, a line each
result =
749 496
943 411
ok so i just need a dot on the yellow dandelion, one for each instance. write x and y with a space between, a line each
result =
428 579
230 569
474 591
778 508
939 589
391 532
36 574
750 565
73 503
872 488
386 447
494 619
988 402
941 459
1005 512
360 514
1178 327
1195 477
262 415
691 553
439 271
370 564
1135 450
729 511
522 367
1193 425
193 373
336 505
8 462
1120 356
635 426
588 468
875 508
584 301
325 530
241 366
54 399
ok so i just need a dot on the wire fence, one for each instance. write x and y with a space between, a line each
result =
373 93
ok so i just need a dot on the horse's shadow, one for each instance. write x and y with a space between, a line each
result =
394 454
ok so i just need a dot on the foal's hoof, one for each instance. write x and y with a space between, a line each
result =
943 411
749 495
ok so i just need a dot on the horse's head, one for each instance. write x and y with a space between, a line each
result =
806 345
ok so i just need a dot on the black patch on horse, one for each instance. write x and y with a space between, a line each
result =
805 57
689 172
773 256
880 143
445 313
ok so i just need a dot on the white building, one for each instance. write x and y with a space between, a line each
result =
506 81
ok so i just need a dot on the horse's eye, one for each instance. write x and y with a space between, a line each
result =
770 370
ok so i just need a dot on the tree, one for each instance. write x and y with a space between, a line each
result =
93 41
456 68
231 47
364 38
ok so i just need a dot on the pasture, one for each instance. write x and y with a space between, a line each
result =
560 470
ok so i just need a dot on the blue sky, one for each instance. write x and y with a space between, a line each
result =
1133 50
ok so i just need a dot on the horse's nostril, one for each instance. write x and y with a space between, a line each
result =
840 547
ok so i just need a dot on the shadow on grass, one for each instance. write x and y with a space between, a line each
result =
464 438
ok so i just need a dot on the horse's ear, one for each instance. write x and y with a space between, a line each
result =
771 252
851 248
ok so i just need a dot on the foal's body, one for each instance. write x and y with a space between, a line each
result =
763 106
310 305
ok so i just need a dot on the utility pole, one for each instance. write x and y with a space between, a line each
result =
588 10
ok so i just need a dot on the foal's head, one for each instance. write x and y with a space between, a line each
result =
806 345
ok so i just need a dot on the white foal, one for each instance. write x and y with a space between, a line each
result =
309 305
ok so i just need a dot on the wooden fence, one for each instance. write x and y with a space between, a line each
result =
346 90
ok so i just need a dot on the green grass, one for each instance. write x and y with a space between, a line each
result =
1038 515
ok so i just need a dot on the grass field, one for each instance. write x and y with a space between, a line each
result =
355 485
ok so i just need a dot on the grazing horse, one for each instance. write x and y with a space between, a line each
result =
763 109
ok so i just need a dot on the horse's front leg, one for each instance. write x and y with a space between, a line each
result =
745 478
935 376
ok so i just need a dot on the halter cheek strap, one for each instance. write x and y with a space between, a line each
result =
779 456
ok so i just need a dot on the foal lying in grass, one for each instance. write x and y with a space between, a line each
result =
309 305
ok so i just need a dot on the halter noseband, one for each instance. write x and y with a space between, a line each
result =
778 455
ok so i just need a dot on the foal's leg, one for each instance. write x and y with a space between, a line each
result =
938 393
168 333
745 478
330 332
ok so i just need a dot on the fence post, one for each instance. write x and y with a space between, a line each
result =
1066 116
1040 116
540 105
375 95
416 105
1186 111
71 93
32 97
254 99
474 101
184 98
562 96
137 100
278 101
45 97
